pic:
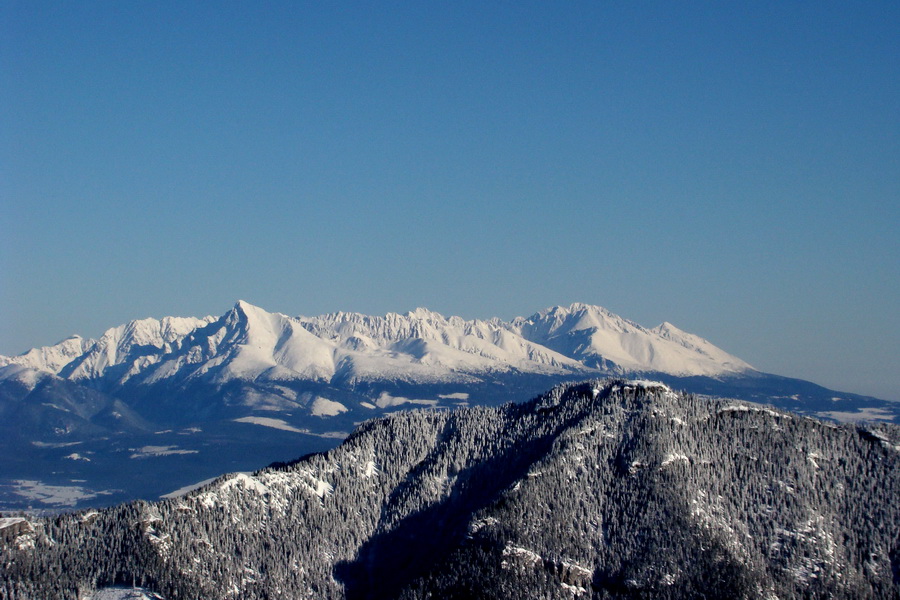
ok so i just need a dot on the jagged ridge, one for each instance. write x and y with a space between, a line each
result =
250 343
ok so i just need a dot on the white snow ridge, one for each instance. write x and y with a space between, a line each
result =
249 343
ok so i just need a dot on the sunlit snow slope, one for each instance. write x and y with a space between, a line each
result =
250 343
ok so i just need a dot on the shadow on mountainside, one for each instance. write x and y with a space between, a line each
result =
392 559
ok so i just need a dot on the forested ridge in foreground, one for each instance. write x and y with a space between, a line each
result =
604 489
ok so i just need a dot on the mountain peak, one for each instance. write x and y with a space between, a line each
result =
582 307
245 307
51 358
248 317
576 310
666 327
424 313
601 339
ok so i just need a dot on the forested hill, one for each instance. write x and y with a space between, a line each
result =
607 489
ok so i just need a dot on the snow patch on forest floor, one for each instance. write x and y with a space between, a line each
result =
121 593
647 383
516 555
673 457
6 522
748 408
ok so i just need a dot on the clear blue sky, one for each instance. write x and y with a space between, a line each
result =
733 168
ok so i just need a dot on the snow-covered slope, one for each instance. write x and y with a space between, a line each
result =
248 343
600 339
132 347
425 344
251 344
51 358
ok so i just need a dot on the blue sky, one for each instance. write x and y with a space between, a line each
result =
734 170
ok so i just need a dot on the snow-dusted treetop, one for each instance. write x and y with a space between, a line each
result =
250 343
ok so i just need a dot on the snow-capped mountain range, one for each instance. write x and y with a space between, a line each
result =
154 405
249 343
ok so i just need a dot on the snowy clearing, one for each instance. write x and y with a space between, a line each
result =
270 422
323 407
54 445
59 495
454 396
121 593
153 451
746 408
76 456
385 400
861 414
